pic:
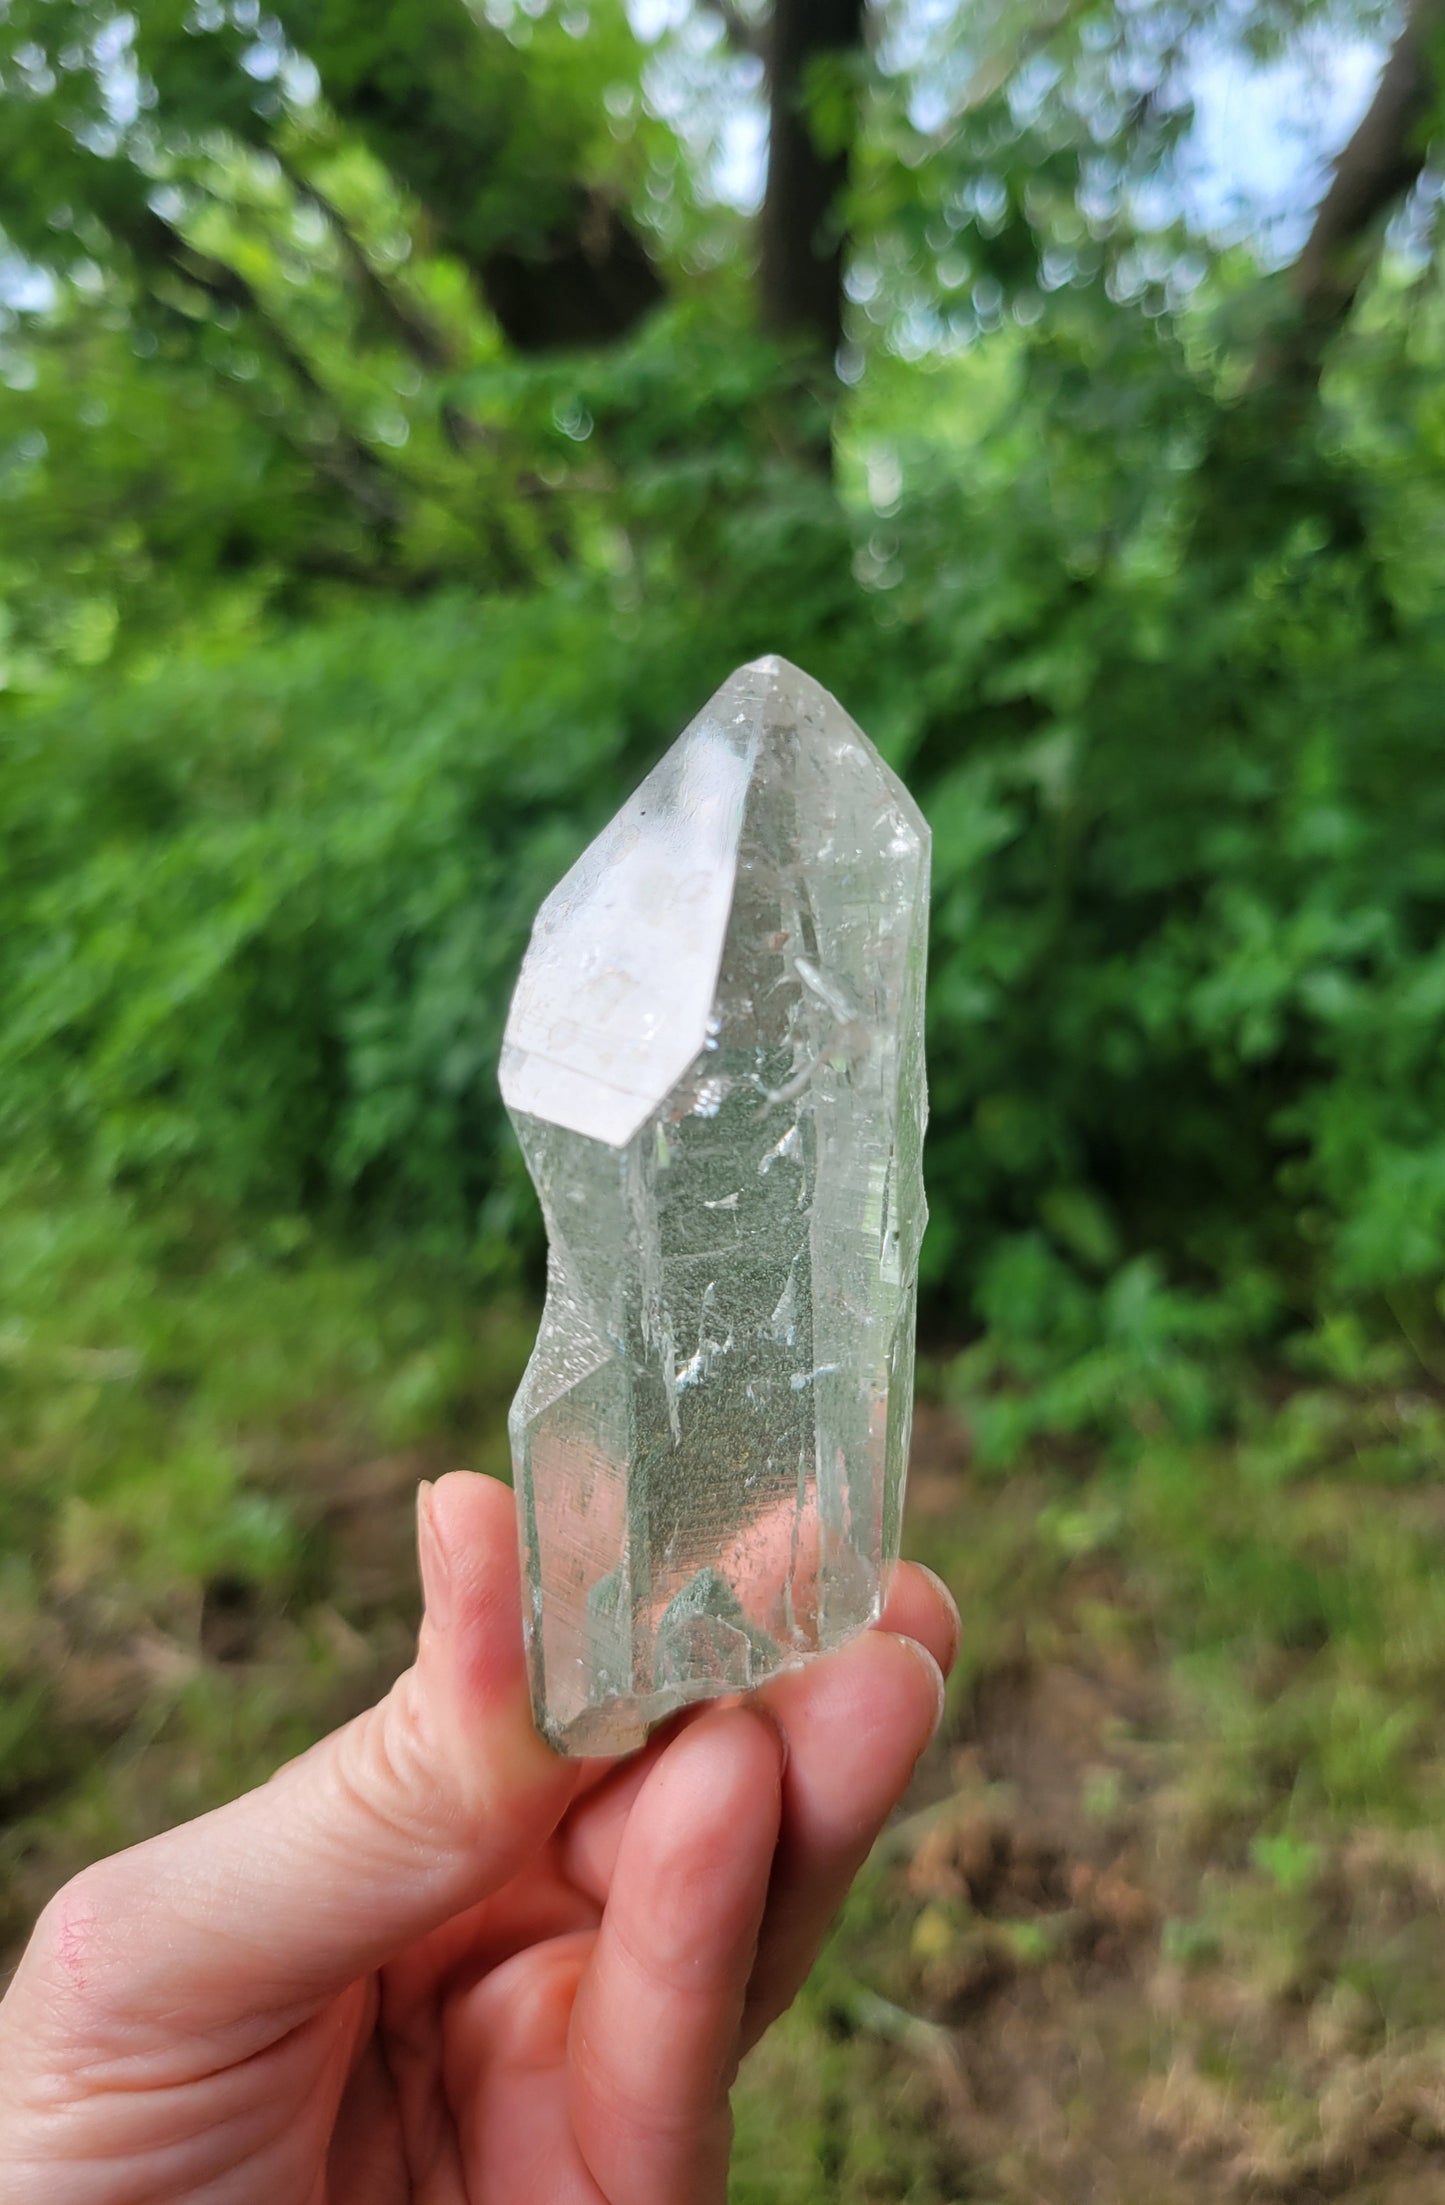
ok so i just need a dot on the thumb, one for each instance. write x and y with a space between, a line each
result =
377 1835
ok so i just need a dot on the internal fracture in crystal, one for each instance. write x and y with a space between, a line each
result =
714 1063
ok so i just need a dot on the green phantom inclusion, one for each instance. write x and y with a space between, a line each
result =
714 1062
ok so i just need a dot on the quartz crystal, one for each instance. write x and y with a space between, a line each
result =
714 1063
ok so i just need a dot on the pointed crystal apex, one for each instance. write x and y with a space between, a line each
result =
714 1060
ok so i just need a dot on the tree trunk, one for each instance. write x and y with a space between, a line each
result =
1382 162
801 281
1264 469
445 103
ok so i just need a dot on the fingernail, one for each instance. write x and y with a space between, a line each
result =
955 1618
436 1575
936 1679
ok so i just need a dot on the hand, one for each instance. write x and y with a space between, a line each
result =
430 1963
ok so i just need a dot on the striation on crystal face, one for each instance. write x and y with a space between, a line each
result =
714 1063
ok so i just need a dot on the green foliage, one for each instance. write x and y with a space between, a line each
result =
193 1432
333 621
261 907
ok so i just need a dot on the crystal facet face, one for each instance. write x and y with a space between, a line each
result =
714 1062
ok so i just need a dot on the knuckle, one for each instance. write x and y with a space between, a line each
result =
71 1944
389 1767
64 1994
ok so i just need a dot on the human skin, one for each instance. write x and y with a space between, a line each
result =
431 1963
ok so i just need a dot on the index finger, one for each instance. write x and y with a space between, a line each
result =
855 1724
654 2036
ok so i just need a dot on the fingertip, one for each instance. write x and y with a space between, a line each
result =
949 1607
468 1537
654 2038
920 1606
693 1863
475 1520
728 1755
857 1722
933 1674
719 1784
875 1701
472 1652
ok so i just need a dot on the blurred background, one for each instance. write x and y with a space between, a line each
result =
409 411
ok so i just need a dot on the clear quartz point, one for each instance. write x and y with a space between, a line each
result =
714 1063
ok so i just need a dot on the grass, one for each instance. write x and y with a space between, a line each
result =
1163 1919
207 1458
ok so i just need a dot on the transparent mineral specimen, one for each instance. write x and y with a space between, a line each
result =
714 1062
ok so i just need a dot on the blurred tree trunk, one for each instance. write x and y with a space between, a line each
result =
1264 470
1382 162
445 103
801 275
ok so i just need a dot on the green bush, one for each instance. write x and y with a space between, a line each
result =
261 912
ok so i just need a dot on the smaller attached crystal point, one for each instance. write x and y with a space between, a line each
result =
714 1063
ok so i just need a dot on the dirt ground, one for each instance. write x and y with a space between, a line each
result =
1112 2001
1070 1977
